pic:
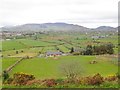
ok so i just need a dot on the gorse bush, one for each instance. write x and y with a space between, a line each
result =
97 79
34 82
111 78
59 81
118 75
8 81
49 82
22 78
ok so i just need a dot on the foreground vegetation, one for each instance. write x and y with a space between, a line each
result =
23 80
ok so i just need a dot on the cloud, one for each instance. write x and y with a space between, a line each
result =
80 12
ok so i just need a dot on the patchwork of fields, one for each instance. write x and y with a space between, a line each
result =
30 55
49 67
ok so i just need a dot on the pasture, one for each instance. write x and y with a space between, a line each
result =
43 67
51 67
11 45
6 62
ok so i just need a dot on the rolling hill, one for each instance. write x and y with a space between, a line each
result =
54 27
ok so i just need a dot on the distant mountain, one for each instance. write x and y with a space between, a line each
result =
106 28
46 27
54 27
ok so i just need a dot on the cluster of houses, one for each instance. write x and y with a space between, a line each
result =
97 37
4 35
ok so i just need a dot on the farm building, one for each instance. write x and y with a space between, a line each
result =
95 37
51 54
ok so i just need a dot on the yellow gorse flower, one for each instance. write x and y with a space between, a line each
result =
111 75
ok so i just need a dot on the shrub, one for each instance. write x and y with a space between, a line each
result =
8 81
22 78
26 57
76 53
1 55
5 76
60 81
72 50
21 51
16 52
49 82
118 75
97 79
72 81
34 82
111 78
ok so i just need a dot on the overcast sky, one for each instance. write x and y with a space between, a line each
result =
88 13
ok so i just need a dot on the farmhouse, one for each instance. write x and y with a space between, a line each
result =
51 54
95 37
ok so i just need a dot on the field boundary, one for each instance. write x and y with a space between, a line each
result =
12 66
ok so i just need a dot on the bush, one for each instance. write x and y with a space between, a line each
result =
75 81
34 82
27 57
97 79
118 75
111 78
46 82
8 81
17 52
21 51
22 78
76 53
49 82
5 76
60 81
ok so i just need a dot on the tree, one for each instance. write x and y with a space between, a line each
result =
71 69
103 49
36 37
16 52
21 51
72 50
110 48
89 50
5 76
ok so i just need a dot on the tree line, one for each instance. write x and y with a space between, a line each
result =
96 50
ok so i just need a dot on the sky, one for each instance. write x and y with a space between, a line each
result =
88 13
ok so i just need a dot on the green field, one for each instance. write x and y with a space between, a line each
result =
12 44
43 67
6 62
50 67
29 42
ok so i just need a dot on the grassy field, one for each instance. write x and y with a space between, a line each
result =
50 67
29 42
63 48
12 44
6 62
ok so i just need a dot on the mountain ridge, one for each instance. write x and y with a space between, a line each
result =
59 26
